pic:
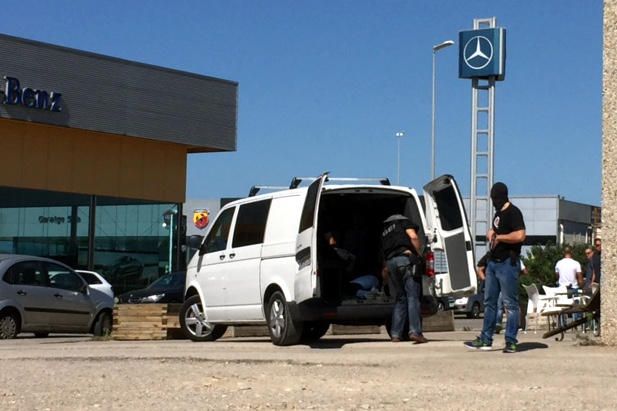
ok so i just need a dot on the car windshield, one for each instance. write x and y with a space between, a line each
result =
169 280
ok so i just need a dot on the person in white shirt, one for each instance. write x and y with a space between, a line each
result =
568 270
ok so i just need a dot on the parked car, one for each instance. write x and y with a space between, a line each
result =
97 281
40 295
261 261
167 289
472 306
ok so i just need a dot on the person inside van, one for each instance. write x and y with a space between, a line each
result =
336 264
400 244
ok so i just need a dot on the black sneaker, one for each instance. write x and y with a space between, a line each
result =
478 344
498 328
510 348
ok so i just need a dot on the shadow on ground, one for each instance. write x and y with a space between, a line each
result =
527 346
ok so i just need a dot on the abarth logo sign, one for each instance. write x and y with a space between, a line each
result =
14 94
478 52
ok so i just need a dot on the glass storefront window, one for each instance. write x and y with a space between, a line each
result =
42 223
134 241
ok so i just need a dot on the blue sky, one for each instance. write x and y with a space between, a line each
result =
324 85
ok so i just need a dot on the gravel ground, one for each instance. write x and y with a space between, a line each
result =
346 373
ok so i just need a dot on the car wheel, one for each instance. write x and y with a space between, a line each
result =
314 330
284 330
475 310
194 323
41 335
441 306
8 326
103 325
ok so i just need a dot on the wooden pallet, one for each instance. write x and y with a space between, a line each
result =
145 321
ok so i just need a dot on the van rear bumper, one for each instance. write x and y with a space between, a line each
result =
319 310
353 312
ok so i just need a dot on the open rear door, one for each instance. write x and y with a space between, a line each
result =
451 238
306 282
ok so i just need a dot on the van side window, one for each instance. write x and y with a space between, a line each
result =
217 237
449 212
308 211
251 223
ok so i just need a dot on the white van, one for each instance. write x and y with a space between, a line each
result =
264 259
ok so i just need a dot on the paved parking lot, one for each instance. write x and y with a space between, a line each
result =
340 372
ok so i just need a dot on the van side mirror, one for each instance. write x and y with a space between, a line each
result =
194 241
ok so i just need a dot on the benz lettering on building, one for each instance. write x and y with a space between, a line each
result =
14 94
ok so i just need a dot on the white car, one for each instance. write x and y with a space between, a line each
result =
263 260
97 282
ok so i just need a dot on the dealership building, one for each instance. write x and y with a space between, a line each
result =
94 156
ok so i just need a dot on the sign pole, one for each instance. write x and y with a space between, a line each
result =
482 59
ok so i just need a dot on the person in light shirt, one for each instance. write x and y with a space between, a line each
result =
568 270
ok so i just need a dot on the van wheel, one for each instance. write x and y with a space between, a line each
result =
282 327
194 323
103 325
314 330
8 326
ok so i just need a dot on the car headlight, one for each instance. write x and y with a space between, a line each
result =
152 298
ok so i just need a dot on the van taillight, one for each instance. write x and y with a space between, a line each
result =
430 264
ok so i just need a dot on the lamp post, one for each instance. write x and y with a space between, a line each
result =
436 48
399 135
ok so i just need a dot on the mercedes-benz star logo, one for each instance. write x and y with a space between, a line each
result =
478 52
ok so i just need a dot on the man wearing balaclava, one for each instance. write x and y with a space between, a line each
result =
506 237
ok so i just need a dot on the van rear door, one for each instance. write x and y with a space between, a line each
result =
451 238
306 282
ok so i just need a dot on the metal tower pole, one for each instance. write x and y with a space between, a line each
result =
482 150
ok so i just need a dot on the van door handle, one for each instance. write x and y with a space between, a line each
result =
232 255
222 257
22 292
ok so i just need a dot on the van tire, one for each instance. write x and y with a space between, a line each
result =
193 322
283 329
313 330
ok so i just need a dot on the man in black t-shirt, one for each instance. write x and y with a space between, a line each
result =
506 237
400 244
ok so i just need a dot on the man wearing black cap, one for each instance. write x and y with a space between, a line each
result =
506 237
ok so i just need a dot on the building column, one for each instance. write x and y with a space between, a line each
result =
609 176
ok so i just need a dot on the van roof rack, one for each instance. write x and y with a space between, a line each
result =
255 189
296 181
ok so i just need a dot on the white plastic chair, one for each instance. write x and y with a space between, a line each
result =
536 305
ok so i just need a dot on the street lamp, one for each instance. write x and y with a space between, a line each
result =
399 135
436 48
